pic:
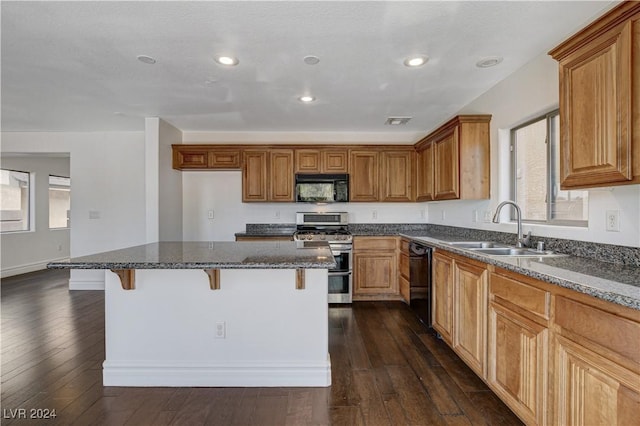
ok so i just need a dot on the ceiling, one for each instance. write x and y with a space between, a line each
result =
71 66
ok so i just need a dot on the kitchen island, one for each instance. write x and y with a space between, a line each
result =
214 313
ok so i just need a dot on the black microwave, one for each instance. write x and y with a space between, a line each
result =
322 188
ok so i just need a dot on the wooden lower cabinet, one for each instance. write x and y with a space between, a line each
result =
442 295
404 271
470 314
553 355
375 271
597 364
518 346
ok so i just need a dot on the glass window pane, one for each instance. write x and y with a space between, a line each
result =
59 201
531 170
14 201
565 205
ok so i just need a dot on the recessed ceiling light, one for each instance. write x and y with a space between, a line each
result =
395 121
227 60
311 60
489 61
306 99
146 59
416 61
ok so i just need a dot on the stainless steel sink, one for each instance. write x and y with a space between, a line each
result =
476 244
514 251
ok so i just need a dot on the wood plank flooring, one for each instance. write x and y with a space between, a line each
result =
387 369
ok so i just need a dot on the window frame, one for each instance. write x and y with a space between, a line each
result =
30 202
513 147
49 202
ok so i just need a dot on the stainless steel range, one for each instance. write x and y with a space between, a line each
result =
330 227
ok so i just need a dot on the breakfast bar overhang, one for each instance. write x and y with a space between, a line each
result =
215 314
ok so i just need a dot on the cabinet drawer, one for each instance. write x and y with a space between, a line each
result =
512 293
404 265
375 243
608 330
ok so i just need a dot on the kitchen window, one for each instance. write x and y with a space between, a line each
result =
14 200
535 150
59 201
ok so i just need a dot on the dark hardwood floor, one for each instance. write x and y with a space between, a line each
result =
387 369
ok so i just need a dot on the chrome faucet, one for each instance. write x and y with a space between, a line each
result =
522 240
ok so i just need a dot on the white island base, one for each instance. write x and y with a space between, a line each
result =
172 329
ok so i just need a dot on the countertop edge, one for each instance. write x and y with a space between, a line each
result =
617 295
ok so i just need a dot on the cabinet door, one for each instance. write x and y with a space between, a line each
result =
281 175
470 315
591 389
442 295
446 175
335 161
425 174
595 111
254 175
364 176
375 273
224 159
190 158
517 363
396 176
308 161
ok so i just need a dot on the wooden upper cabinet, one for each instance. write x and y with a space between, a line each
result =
363 177
254 175
335 160
600 101
203 157
281 175
321 161
397 175
445 153
460 157
308 161
224 159
424 174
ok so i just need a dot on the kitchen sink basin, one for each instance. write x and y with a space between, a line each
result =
476 244
513 251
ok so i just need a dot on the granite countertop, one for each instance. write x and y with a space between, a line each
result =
615 283
209 255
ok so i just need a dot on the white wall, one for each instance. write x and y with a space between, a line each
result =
163 184
222 193
31 250
107 174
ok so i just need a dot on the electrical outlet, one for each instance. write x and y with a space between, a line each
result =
221 330
486 217
613 220
474 216
59 247
210 214
423 214
277 214
444 215
374 214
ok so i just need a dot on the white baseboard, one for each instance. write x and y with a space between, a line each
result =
249 374
27 267
86 284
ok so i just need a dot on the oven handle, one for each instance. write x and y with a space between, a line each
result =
339 274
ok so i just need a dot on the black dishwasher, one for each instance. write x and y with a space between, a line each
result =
420 280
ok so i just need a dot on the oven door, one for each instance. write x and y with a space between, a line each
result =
339 287
343 261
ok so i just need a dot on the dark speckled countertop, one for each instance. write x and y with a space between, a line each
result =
208 255
608 281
